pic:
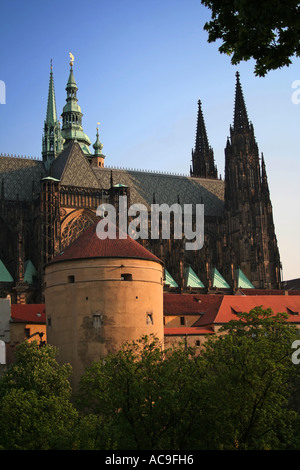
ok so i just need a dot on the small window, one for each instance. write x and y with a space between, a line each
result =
127 277
197 342
97 320
49 321
182 322
291 312
149 319
71 279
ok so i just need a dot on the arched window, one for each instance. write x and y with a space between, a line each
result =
74 228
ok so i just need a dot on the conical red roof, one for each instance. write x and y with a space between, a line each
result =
89 245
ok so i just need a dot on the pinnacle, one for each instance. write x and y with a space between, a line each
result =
240 112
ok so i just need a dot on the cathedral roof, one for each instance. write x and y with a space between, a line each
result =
72 168
166 188
89 245
18 176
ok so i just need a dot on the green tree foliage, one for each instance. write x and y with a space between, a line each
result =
233 395
240 390
146 394
267 31
35 408
249 378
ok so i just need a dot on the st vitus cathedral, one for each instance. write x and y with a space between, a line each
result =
45 204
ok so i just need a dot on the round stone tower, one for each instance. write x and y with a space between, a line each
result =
100 294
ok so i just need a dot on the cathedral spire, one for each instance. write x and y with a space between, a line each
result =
201 145
72 116
52 139
241 121
51 116
203 165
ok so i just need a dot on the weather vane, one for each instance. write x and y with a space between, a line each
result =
71 58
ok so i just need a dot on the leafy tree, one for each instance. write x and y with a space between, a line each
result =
146 394
267 31
35 408
249 379
233 394
240 390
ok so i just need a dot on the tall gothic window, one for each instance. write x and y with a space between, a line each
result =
74 228
251 177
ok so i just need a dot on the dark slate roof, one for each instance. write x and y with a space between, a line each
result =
292 284
89 245
72 168
167 189
18 175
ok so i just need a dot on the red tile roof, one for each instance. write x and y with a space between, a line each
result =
232 304
182 331
267 292
28 313
89 245
197 304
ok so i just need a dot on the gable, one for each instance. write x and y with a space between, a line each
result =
72 168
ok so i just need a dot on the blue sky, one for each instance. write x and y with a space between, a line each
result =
141 67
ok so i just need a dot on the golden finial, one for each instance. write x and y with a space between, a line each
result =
71 58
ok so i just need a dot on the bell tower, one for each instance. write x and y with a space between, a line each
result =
72 116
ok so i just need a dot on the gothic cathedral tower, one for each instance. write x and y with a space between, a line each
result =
250 239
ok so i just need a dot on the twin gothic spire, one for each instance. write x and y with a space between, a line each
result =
241 136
